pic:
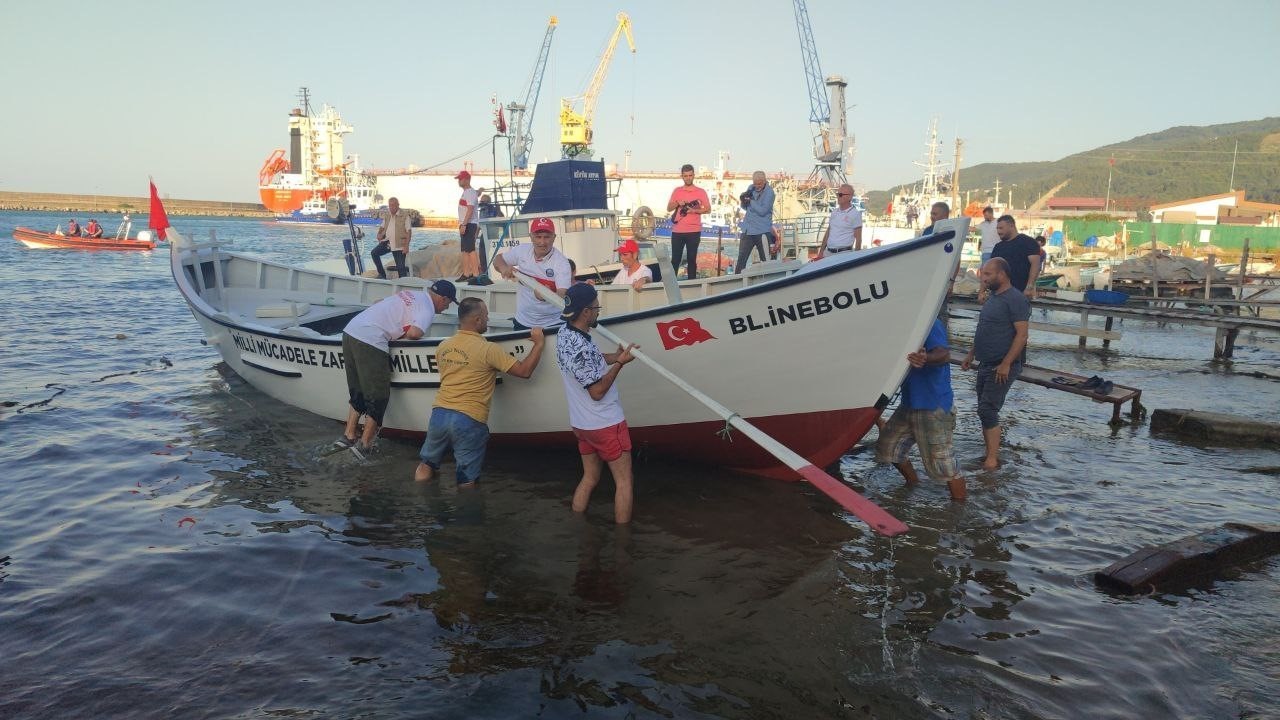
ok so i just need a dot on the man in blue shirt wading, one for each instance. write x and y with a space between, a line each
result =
926 416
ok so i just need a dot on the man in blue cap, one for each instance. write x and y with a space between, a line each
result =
366 351
594 410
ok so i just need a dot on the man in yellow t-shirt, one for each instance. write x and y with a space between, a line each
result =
469 367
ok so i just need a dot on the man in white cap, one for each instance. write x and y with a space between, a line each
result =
632 272
468 226
540 260
595 412
366 351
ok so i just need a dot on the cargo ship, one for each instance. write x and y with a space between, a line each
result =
314 168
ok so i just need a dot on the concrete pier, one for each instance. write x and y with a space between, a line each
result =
1216 427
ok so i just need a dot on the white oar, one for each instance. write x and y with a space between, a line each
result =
867 511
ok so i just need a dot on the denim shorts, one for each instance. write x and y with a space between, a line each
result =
468 437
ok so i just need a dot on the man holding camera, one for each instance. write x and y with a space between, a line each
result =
757 221
393 237
688 203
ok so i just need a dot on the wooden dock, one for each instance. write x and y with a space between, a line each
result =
1070 383
1228 326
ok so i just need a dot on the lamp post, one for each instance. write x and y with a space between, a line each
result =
1111 164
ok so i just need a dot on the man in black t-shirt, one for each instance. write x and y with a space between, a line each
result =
1021 252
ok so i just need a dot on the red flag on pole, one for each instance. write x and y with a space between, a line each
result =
158 219
501 122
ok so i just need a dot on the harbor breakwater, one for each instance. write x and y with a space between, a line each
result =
119 204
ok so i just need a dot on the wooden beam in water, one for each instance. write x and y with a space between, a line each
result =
1190 559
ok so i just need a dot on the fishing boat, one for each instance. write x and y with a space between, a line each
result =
49 240
848 320
362 204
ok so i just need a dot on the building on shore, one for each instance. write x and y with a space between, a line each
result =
1228 208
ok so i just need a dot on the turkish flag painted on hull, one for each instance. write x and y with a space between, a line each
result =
685 331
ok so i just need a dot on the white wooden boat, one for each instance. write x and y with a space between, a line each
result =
809 356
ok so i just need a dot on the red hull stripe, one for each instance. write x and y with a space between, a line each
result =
819 437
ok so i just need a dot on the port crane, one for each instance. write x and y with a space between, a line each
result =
575 127
828 127
521 114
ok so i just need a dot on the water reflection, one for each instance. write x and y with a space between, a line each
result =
671 614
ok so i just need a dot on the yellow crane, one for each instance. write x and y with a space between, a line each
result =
575 128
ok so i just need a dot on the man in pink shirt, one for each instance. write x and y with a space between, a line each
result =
686 206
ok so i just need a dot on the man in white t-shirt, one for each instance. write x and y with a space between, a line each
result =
595 413
632 272
540 260
844 228
987 228
366 350
468 226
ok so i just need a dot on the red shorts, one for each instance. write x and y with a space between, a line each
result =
608 442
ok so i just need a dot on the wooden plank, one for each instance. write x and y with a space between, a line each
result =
1190 559
1070 330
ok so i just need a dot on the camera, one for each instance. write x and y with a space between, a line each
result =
745 198
683 208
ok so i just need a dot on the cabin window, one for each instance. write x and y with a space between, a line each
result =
599 222
575 224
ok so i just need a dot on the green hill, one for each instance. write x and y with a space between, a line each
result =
1174 164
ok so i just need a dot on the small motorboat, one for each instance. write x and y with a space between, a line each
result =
46 240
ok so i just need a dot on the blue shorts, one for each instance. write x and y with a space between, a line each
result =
467 437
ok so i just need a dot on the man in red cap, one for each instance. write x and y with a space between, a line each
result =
540 260
468 226
632 272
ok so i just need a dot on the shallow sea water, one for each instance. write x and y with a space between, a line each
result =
172 543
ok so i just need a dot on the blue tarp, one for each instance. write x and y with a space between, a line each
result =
1056 238
567 185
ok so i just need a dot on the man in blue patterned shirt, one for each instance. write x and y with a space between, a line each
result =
594 410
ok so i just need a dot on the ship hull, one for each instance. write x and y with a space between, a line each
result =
283 201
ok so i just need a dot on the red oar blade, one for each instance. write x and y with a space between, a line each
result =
865 510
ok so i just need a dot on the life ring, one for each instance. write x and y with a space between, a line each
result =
642 223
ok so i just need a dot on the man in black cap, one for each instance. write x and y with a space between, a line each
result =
366 350
594 410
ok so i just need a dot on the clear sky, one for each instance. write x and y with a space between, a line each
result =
99 95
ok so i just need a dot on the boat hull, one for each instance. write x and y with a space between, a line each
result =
298 217
285 200
811 357
46 241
